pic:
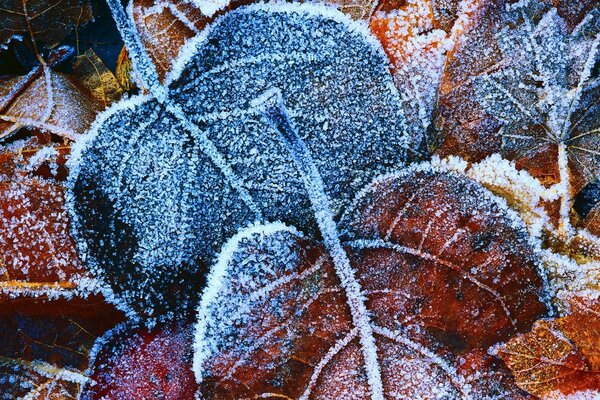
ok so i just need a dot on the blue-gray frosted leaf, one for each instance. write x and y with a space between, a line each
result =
151 207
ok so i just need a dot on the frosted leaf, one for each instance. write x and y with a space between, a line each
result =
275 319
37 253
558 356
130 363
164 27
45 100
157 187
527 88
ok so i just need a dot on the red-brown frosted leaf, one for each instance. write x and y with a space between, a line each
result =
275 321
489 377
37 252
52 102
164 27
560 355
140 364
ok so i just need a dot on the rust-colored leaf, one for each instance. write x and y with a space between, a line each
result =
43 21
97 78
37 253
136 363
164 27
525 87
443 268
561 355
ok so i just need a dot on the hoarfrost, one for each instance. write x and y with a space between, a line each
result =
158 186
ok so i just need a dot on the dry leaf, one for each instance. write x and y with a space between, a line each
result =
443 270
97 78
123 71
51 102
164 27
37 254
47 22
525 87
560 355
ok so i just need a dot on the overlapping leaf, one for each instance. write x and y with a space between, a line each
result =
37 253
442 269
560 356
135 363
525 87
45 100
159 186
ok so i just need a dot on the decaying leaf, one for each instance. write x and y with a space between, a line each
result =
123 71
135 363
165 26
37 253
414 39
441 266
157 187
44 345
43 21
559 356
51 102
526 87
97 78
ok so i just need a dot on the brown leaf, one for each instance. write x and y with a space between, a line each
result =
51 102
443 270
97 78
37 253
164 27
123 71
47 22
560 355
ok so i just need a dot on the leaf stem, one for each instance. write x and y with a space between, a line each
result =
145 68
273 109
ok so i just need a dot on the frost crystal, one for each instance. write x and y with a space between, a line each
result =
158 186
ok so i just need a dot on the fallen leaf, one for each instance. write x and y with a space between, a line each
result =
139 363
37 253
97 78
560 355
525 87
164 27
123 71
42 21
51 102
441 267
157 187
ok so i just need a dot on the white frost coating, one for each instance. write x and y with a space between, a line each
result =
313 183
202 348
190 49
48 370
210 7
566 276
158 185
455 378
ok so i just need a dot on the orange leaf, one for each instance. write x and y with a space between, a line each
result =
560 355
